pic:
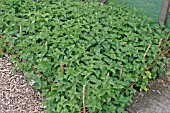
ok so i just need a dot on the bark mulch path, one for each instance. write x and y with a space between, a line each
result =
16 96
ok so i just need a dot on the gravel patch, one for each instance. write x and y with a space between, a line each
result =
16 96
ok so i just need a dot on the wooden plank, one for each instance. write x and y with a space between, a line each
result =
164 12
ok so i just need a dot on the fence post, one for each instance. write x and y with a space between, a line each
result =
164 12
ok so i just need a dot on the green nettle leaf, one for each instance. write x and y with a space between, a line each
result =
37 86
148 74
155 68
93 79
143 88
120 110
166 60
63 45
43 84
162 70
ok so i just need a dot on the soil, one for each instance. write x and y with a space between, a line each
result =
156 99
16 96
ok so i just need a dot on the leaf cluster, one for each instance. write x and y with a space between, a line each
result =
91 41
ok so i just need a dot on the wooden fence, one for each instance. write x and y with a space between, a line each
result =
164 12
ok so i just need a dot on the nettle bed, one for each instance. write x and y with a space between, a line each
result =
63 45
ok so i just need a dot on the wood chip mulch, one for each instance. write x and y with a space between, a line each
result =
16 96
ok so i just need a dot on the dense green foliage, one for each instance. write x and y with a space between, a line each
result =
92 40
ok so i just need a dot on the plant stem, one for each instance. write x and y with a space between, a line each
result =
46 43
160 42
146 51
121 71
168 37
20 29
83 92
62 67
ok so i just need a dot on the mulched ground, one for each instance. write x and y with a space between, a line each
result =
156 99
16 96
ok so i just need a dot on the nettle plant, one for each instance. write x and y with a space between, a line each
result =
64 45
